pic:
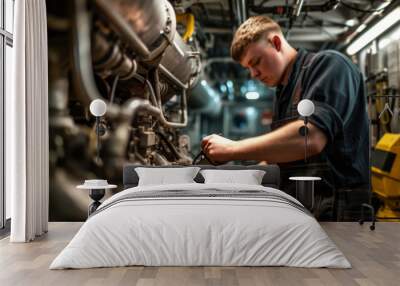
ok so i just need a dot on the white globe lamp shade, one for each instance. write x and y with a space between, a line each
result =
306 107
98 107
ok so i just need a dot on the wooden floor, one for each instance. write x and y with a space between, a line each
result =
375 257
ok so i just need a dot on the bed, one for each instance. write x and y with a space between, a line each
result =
201 224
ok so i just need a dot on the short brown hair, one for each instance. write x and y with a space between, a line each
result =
251 31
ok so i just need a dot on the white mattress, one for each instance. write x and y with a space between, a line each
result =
183 231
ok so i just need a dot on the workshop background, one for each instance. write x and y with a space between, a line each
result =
158 116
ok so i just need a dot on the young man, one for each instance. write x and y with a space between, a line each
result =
337 131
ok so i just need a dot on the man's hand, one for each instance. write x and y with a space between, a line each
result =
217 148
280 146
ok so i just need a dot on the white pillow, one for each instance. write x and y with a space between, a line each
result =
249 177
163 176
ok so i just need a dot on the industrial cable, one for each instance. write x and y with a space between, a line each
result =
169 144
114 86
363 10
315 21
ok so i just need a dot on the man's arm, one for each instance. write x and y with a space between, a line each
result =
282 145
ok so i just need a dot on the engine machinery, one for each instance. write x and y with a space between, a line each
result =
131 55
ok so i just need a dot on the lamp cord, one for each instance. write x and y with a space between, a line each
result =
98 139
305 138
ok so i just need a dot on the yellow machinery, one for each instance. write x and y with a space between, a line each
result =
386 176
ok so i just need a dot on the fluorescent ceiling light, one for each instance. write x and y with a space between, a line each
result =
351 22
392 37
361 28
374 32
252 95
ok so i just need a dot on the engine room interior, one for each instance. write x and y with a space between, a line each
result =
199 142
164 76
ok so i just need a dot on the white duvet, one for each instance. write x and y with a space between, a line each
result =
183 231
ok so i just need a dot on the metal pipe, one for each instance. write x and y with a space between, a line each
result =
163 120
131 108
297 7
82 57
145 81
174 79
149 28
83 63
123 28
146 26
155 98
283 10
180 61
109 59
244 10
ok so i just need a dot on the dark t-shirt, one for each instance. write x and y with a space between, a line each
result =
336 87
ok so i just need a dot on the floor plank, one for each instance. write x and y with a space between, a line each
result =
374 255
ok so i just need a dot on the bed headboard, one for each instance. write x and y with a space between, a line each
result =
270 179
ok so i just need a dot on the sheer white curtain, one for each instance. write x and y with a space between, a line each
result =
27 124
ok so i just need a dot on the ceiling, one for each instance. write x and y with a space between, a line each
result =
320 24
